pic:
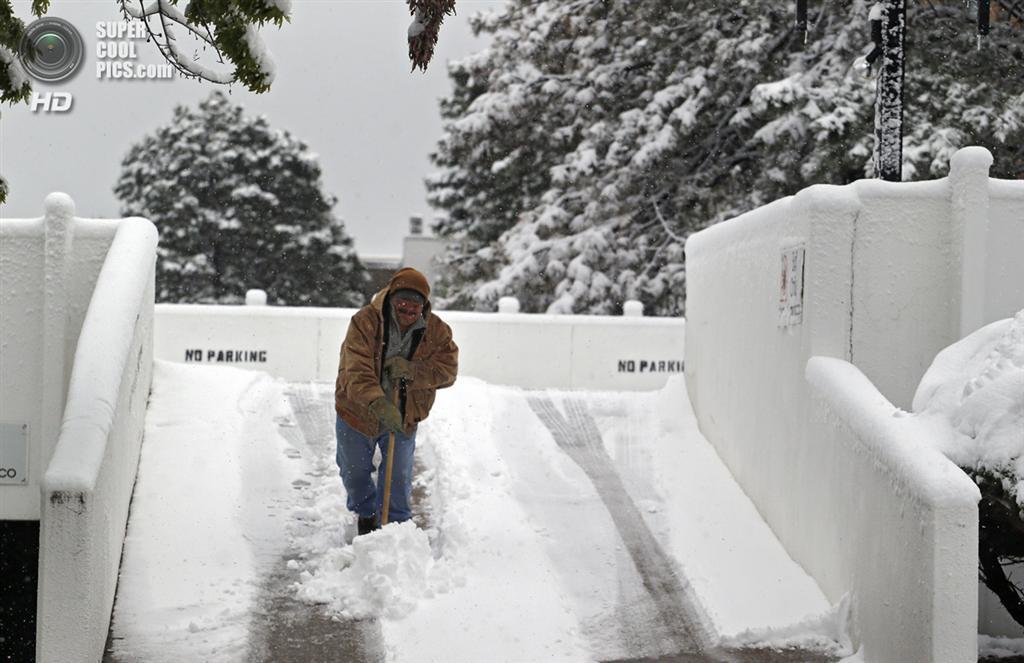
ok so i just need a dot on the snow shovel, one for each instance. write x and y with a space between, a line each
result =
389 465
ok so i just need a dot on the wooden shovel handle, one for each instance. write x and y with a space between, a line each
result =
389 465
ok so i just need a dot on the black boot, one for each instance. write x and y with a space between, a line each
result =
366 525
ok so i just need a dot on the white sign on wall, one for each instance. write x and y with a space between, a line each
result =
791 286
13 453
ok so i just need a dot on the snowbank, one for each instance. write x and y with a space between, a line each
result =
972 397
975 387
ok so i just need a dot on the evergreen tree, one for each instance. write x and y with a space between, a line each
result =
238 205
591 138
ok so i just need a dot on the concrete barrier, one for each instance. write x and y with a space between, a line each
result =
48 268
1003 240
96 287
530 351
882 275
910 557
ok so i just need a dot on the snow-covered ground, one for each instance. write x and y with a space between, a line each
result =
999 647
547 517
208 515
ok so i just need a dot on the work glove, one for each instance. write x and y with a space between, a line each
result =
387 414
398 368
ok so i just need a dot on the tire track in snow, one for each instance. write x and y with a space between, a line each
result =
676 605
679 610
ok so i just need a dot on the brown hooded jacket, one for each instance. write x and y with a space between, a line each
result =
435 360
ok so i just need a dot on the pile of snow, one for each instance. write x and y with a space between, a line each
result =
383 574
974 394
827 632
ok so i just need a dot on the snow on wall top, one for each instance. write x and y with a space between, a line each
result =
1012 189
972 157
823 198
102 355
899 443
59 205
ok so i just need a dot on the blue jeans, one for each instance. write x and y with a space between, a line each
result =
355 464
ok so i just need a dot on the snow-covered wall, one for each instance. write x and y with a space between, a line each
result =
21 355
76 310
1003 268
879 274
1003 245
871 470
48 267
88 483
571 352
904 285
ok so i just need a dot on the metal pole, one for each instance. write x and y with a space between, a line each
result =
889 96
801 19
984 11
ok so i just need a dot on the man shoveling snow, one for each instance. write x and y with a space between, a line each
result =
395 356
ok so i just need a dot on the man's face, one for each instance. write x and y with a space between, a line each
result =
408 311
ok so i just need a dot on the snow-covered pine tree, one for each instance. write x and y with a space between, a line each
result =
590 138
14 82
238 205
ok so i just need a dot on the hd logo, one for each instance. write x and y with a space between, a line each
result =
51 102
51 51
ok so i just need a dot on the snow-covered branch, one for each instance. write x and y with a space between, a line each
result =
664 223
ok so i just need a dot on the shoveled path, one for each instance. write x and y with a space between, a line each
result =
285 630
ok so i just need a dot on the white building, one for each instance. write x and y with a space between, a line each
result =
419 251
